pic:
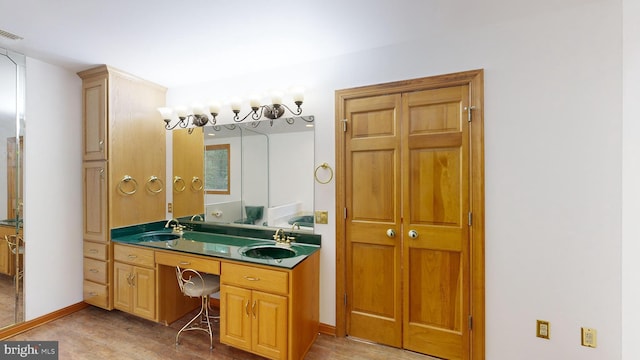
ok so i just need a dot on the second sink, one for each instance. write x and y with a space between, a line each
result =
158 236
268 252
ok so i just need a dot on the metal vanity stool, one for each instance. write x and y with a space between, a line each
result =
194 284
16 247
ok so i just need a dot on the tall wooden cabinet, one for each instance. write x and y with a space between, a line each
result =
124 167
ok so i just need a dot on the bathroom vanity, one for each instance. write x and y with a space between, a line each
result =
269 305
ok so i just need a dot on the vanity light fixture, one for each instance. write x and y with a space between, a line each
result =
197 117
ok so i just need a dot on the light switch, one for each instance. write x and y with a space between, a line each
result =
322 217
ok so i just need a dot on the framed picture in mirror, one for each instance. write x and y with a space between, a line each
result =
217 169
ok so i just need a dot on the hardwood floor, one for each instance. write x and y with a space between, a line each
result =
97 334
8 301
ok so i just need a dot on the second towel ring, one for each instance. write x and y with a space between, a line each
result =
126 179
324 166
178 184
151 180
195 182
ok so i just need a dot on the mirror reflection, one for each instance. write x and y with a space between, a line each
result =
270 173
12 80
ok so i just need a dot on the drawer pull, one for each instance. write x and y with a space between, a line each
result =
185 263
253 309
93 270
251 278
93 251
131 256
93 293
246 308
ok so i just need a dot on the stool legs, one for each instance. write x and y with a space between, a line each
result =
195 324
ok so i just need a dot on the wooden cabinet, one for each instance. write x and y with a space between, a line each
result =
134 281
270 312
188 172
124 165
256 321
7 258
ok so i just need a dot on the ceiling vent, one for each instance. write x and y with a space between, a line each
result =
8 35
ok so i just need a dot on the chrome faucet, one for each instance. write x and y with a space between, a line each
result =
177 228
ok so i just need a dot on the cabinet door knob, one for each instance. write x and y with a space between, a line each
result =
391 233
413 234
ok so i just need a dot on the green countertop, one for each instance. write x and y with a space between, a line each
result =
212 244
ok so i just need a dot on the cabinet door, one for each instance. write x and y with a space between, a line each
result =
5 259
188 172
137 151
122 288
235 317
144 293
269 325
95 201
94 102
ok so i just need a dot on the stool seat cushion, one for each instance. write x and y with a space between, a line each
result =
196 288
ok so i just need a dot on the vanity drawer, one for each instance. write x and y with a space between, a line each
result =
273 281
209 266
95 250
95 294
133 255
95 270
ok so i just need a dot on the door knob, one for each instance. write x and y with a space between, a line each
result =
413 234
391 233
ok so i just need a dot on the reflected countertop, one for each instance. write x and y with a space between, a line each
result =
216 245
11 222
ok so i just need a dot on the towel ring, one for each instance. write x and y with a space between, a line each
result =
126 179
177 187
151 180
324 166
194 184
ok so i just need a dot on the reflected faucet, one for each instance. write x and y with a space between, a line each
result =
197 216
294 226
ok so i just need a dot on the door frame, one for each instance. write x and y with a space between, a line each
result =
475 80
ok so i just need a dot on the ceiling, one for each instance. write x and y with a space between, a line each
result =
179 42
175 42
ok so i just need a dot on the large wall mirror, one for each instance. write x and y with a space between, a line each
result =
12 105
269 173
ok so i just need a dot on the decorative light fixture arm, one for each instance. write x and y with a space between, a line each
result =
198 118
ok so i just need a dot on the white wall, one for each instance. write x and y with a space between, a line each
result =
553 142
553 123
52 189
630 181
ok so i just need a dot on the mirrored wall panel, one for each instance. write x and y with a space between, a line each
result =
261 173
12 105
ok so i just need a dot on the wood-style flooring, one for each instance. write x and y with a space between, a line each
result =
97 334
8 301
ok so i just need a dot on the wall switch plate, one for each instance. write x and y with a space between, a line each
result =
169 207
542 329
589 337
322 217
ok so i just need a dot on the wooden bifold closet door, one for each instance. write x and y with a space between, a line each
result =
408 219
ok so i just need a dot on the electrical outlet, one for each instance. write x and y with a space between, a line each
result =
169 207
542 329
589 337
